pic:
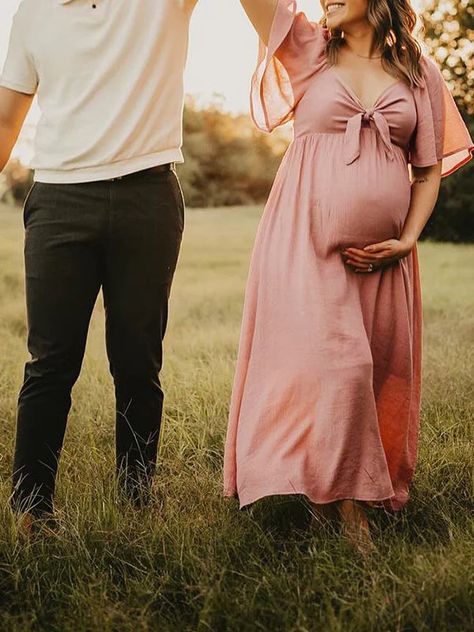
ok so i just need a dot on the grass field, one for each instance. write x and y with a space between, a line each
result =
193 561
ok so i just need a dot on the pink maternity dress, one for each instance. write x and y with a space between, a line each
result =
326 394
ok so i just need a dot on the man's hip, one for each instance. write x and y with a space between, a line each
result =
132 227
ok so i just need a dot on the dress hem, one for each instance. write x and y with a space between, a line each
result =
369 499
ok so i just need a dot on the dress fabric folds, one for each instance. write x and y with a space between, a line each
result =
326 392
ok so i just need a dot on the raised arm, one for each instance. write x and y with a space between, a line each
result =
14 107
188 5
261 13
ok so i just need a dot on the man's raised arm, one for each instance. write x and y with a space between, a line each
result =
14 107
188 5
261 14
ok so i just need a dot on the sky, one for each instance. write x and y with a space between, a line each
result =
223 50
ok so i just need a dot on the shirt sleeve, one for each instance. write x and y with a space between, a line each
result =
19 72
441 133
295 52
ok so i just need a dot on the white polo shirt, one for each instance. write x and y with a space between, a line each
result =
109 80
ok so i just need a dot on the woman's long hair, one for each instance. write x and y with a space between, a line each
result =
393 22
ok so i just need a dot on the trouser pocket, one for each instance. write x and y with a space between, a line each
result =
27 203
179 198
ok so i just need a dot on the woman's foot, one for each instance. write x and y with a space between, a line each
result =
355 526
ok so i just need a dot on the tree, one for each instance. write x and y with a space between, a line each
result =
227 161
449 27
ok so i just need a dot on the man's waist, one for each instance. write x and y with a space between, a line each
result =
164 160
169 166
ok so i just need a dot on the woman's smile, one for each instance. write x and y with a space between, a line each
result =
334 10
333 7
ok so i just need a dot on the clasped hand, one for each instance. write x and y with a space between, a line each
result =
375 256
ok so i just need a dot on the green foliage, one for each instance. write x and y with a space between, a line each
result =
448 32
449 28
227 161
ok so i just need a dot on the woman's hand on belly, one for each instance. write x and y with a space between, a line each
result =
375 256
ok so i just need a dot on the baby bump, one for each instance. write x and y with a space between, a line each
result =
361 203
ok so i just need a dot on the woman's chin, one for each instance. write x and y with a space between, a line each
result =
334 23
336 20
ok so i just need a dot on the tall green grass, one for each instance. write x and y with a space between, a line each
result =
193 561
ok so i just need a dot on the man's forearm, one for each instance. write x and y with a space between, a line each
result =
261 13
424 193
14 107
188 5
7 142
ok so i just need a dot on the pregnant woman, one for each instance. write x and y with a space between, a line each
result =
326 395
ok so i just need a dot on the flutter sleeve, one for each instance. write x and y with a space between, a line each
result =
295 51
441 133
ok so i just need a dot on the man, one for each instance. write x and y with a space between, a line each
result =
105 210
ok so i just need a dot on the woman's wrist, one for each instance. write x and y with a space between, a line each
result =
408 241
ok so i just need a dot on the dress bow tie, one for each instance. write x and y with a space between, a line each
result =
352 134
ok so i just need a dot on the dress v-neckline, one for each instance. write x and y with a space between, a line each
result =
354 95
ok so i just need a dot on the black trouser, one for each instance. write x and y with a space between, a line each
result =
124 235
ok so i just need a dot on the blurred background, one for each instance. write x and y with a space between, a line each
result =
230 163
